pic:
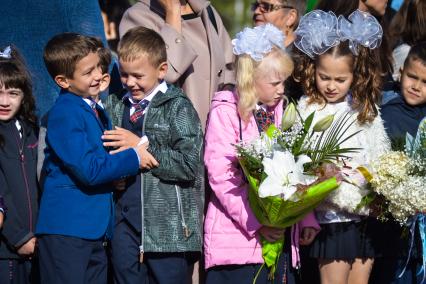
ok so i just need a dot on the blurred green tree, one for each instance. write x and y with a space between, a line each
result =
235 14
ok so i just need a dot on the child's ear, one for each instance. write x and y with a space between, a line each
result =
106 79
163 70
62 81
401 70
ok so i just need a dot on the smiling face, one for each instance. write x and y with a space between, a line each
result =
413 82
86 77
140 77
10 102
333 77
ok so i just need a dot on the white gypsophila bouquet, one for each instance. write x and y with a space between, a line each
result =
400 178
405 193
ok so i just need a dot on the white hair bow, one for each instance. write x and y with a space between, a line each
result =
318 31
258 41
6 53
360 29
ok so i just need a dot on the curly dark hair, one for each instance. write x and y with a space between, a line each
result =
14 74
365 88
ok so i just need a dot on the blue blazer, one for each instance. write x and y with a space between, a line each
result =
76 199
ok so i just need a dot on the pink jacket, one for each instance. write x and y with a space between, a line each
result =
230 225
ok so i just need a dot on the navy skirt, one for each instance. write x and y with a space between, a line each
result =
347 240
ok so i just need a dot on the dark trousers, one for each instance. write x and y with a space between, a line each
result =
17 271
161 268
73 260
245 274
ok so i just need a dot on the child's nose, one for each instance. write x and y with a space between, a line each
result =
4 99
130 82
330 86
417 85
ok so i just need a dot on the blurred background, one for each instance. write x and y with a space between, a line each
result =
235 14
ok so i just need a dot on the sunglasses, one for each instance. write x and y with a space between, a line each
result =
266 7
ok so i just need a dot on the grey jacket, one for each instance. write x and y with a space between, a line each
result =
172 195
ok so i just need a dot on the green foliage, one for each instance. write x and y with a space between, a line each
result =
327 148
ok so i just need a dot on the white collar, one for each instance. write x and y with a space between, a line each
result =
162 87
92 103
89 102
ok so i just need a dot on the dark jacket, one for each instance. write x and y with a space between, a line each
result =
400 118
172 194
18 186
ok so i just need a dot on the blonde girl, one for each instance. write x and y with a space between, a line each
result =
231 232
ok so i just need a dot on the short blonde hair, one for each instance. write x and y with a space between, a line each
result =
141 41
247 70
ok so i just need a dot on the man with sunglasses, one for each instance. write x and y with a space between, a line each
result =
284 14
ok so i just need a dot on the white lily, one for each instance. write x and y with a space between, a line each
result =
284 173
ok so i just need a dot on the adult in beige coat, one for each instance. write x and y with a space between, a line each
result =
199 49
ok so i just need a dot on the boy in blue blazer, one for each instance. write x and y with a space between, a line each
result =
76 204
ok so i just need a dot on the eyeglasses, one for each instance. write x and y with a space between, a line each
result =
266 7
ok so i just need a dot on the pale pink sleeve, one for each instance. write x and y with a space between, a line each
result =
225 176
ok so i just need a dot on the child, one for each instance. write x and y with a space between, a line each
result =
104 61
339 75
76 205
18 155
402 113
232 249
157 232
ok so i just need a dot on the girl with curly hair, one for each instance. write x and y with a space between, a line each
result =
340 76
18 182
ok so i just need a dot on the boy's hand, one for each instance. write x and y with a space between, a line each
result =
28 248
307 236
121 138
1 219
120 184
147 161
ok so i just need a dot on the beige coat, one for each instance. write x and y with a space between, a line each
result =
181 55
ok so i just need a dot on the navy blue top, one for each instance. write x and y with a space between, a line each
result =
400 118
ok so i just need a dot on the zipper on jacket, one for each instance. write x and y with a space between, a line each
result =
186 231
141 246
20 143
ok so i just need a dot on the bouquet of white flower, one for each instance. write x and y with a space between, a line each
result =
400 177
282 168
